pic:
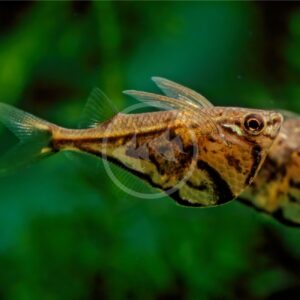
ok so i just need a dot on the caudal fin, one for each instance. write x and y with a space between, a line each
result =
34 135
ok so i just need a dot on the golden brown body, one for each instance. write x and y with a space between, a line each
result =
173 151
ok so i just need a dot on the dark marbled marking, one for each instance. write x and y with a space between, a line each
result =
221 187
234 162
256 157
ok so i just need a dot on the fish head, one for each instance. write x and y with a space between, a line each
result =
259 127
249 134
237 150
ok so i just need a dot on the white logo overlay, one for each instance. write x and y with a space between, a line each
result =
142 153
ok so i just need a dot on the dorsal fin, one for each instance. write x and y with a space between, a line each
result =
178 91
172 103
98 108
158 100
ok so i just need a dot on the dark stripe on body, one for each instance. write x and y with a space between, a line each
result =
117 162
256 156
201 187
294 184
221 187
277 215
77 142
176 196
292 198
146 177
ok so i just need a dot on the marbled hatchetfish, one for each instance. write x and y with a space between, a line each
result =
207 155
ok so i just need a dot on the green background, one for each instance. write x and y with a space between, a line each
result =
65 232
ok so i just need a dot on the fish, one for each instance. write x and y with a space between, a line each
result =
198 154
276 189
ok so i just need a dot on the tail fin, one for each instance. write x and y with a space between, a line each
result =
34 135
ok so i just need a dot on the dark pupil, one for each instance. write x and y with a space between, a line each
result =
253 124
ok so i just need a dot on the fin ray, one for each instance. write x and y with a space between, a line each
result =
34 135
172 103
22 124
178 91
97 109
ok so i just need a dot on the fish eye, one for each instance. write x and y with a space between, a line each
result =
254 124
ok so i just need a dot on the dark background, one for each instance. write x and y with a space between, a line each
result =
65 232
